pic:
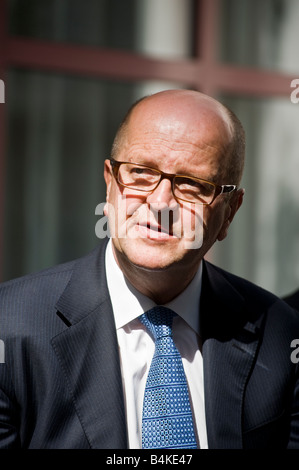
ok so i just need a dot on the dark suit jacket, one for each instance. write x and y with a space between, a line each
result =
61 387
293 299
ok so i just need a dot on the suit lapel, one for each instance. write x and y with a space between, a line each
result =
230 340
88 353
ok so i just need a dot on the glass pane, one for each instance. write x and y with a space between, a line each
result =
59 132
260 33
263 240
154 27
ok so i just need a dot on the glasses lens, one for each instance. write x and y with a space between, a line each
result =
193 190
138 177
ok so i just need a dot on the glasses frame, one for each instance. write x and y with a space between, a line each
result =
219 189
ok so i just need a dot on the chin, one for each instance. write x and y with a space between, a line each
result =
151 266
153 256
155 259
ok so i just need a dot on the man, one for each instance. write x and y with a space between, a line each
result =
77 349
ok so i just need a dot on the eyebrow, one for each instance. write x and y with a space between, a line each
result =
187 175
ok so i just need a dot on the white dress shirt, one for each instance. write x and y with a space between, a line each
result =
136 346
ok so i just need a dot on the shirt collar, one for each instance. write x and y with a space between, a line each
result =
128 303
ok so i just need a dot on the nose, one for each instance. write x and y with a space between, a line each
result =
162 197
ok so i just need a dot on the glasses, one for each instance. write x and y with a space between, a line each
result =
184 188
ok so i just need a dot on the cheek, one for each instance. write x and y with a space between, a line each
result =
114 208
214 218
119 208
192 216
192 226
123 199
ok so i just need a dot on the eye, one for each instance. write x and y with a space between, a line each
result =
138 171
198 186
144 173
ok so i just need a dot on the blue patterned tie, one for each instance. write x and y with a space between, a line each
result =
167 418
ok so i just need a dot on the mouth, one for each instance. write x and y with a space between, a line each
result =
154 231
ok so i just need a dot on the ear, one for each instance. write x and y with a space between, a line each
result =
108 180
234 205
107 176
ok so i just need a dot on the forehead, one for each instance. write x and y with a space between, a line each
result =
173 133
181 110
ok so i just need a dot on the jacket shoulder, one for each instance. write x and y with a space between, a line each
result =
37 278
257 298
293 299
62 272
242 285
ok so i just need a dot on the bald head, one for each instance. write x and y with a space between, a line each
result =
193 112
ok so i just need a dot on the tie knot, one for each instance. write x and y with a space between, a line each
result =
158 321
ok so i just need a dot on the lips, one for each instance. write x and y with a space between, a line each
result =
154 231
